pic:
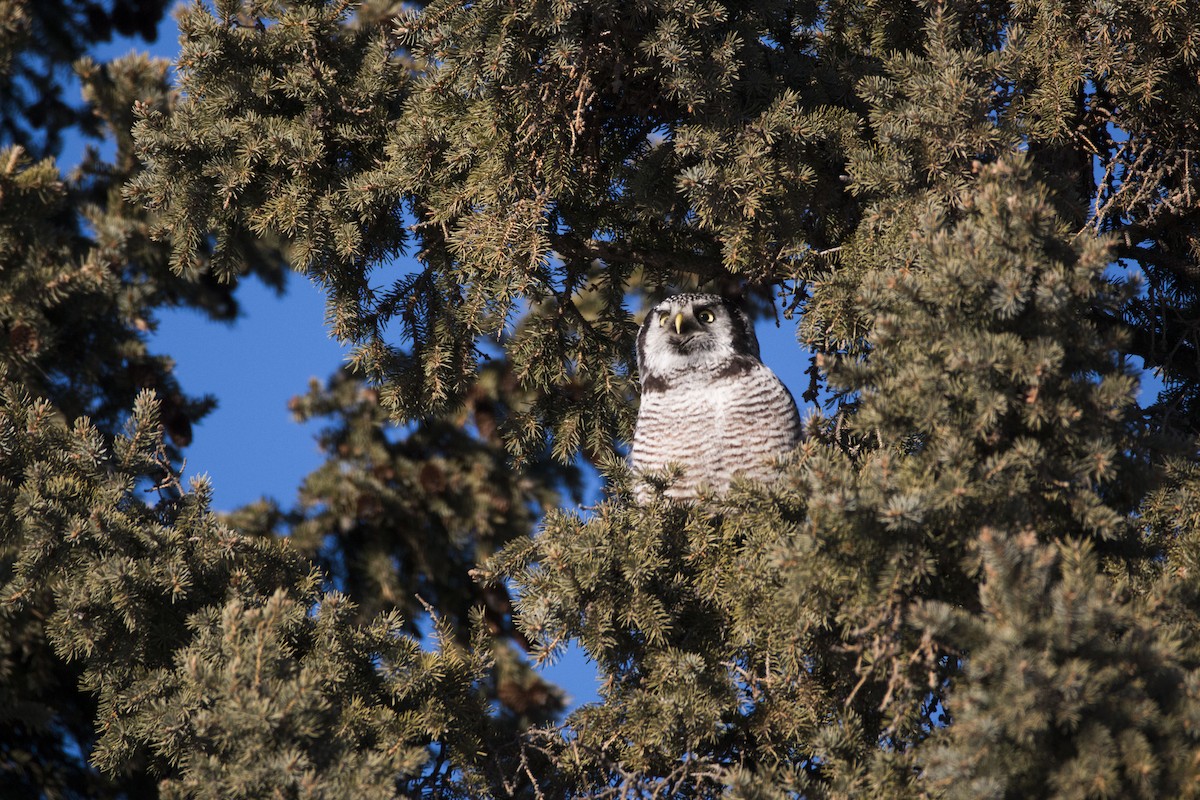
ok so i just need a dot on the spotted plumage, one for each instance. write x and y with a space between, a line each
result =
709 405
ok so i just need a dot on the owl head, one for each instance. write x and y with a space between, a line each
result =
693 332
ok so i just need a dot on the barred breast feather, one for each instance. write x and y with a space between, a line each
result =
715 427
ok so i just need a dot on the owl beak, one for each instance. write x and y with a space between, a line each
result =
679 323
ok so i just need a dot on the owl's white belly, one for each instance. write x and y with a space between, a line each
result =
716 428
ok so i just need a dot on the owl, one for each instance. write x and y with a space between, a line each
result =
709 405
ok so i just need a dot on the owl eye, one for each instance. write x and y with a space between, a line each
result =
706 316
662 320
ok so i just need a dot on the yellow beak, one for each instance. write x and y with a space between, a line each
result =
679 323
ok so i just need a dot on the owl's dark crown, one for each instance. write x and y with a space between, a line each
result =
701 336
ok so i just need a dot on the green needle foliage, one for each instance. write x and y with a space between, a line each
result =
211 653
977 576
400 519
80 283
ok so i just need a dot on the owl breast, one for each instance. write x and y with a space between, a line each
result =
715 426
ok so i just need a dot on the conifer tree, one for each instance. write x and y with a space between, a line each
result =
80 307
81 281
976 576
